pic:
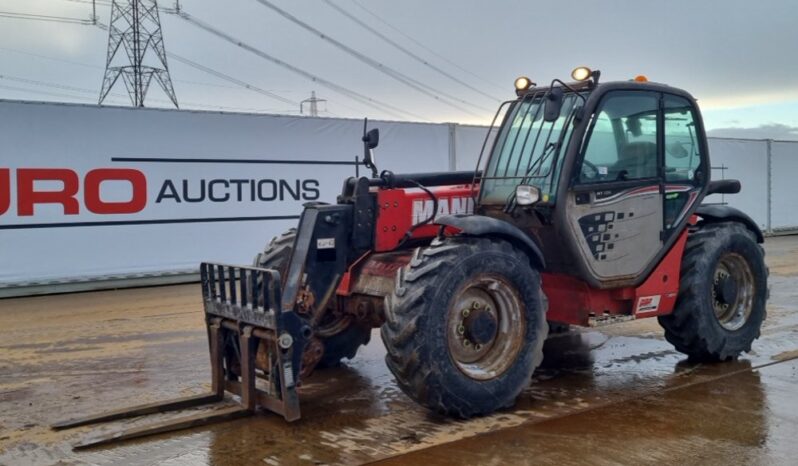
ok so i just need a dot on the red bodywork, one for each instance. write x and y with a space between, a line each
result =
571 300
400 209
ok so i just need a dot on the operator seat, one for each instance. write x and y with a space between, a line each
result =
637 160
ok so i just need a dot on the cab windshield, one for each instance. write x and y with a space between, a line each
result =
527 148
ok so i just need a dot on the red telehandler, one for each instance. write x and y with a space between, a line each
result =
586 211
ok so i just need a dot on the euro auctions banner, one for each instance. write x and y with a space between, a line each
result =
92 192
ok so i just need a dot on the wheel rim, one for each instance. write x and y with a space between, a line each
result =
486 326
732 291
332 325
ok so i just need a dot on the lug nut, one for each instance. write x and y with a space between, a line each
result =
466 343
460 329
477 347
475 305
466 312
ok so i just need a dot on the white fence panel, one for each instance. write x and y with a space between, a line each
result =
784 194
746 161
209 195
222 205
468 143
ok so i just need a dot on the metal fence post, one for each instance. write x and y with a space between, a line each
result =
769 186
452 146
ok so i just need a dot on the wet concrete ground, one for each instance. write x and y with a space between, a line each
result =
616 395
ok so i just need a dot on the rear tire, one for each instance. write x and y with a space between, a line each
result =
427 325
722 294
347 340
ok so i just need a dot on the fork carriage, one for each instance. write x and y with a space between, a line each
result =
250 337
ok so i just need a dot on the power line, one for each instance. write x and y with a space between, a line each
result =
231 79
46 84
371 102
56 94
92 2
421 45
408 52
48 18
401 77
96 67
45 57
120 96
363 99
184 60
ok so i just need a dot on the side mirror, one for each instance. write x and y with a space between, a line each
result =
526 195
553 104
371 140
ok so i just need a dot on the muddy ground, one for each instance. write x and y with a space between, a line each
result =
616 395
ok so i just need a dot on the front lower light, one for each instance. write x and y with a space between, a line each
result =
526 195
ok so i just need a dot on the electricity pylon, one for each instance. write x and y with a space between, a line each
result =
136 27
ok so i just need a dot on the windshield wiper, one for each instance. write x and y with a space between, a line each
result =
547 151
539 162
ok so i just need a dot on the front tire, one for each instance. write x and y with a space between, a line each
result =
341 338
722 294
465 326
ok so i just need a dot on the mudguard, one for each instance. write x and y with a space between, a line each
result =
720 213
480 225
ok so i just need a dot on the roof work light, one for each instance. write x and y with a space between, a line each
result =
522 84
581 73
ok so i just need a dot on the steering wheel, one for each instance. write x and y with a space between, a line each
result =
591 166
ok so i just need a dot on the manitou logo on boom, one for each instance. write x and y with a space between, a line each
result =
422 208
67 186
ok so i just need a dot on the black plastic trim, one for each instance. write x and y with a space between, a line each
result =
724 187
480 225
720 213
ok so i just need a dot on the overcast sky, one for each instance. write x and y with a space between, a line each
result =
737 57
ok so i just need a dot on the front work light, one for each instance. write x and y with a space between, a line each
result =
526 195
581 73
523 83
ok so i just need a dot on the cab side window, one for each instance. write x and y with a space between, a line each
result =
623 139
682 152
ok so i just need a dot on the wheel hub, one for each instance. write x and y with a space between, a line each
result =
481 326
732 291
726 289
485 327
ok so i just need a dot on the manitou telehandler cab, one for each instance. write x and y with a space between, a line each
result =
585 209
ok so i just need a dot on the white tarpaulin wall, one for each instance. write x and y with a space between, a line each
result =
221 209
468 143
784 170
746 161
218 186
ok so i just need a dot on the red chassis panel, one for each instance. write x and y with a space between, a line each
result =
571 300
400 209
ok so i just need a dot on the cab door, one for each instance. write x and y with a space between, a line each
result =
615 206
684 159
